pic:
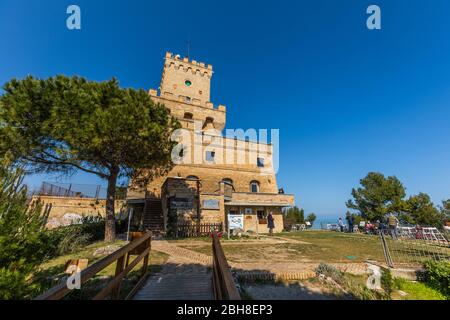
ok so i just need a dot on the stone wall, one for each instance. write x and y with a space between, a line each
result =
65 210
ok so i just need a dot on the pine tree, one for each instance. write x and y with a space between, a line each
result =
22 247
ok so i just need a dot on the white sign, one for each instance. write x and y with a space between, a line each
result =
235 221
211 204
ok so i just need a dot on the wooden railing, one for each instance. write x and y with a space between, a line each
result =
187 230
223 282
140 247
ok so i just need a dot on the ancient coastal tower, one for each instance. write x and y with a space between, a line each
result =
206 186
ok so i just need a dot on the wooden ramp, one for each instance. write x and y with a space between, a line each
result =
178 280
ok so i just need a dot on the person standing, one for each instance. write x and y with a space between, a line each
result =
341 224
270 223
350 222
393 223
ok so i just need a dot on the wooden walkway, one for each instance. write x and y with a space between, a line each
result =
178 280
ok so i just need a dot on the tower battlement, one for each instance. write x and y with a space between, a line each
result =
186 80
186 63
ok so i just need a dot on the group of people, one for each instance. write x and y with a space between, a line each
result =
350 222
390 223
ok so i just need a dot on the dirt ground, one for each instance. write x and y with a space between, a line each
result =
301 247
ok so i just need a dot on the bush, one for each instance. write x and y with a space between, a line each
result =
354 288
329 271
437 276
71 238
22 246
387 281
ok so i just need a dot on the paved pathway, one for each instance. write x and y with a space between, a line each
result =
185 276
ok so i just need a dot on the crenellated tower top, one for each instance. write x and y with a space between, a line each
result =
186 78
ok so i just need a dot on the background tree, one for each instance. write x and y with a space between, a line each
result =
311 218
377 196
293 215
22 245
420 210
65 124
445 209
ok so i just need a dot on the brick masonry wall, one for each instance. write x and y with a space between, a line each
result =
65 207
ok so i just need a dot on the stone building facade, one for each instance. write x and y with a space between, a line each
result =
214 175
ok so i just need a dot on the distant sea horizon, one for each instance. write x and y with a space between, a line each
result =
326 218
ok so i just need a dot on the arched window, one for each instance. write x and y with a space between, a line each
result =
208 121
192 178
254 186
188 116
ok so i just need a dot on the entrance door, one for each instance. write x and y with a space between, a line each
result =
262 216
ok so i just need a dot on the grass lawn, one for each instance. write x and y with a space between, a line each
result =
52 271
315 246
329 246
415 291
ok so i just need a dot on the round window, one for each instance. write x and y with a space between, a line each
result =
188 83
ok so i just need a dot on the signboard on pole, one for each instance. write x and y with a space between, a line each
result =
236 221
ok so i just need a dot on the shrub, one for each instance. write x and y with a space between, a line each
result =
437 276
354 288
329 271
22 246
68 239
71 238
387 281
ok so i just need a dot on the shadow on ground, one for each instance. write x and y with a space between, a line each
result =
264 285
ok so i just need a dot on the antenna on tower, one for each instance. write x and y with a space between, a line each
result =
188 47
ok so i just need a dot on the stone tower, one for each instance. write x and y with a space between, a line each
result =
229 174
186 90
190 80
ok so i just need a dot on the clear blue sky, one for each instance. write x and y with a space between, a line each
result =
346 100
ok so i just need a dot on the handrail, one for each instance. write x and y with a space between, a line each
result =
122 269
223 282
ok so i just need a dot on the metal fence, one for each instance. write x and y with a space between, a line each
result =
77 190
413 246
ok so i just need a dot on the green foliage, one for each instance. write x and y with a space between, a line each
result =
172 220
355 289
311 218
329 271
387 281
437 276
63 124
22 245
420 210
377 196
71 238
417 290
292 216
445 210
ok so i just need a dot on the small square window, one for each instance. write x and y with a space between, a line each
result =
210 156
260 162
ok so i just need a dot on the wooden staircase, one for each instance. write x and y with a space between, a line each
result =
153 216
